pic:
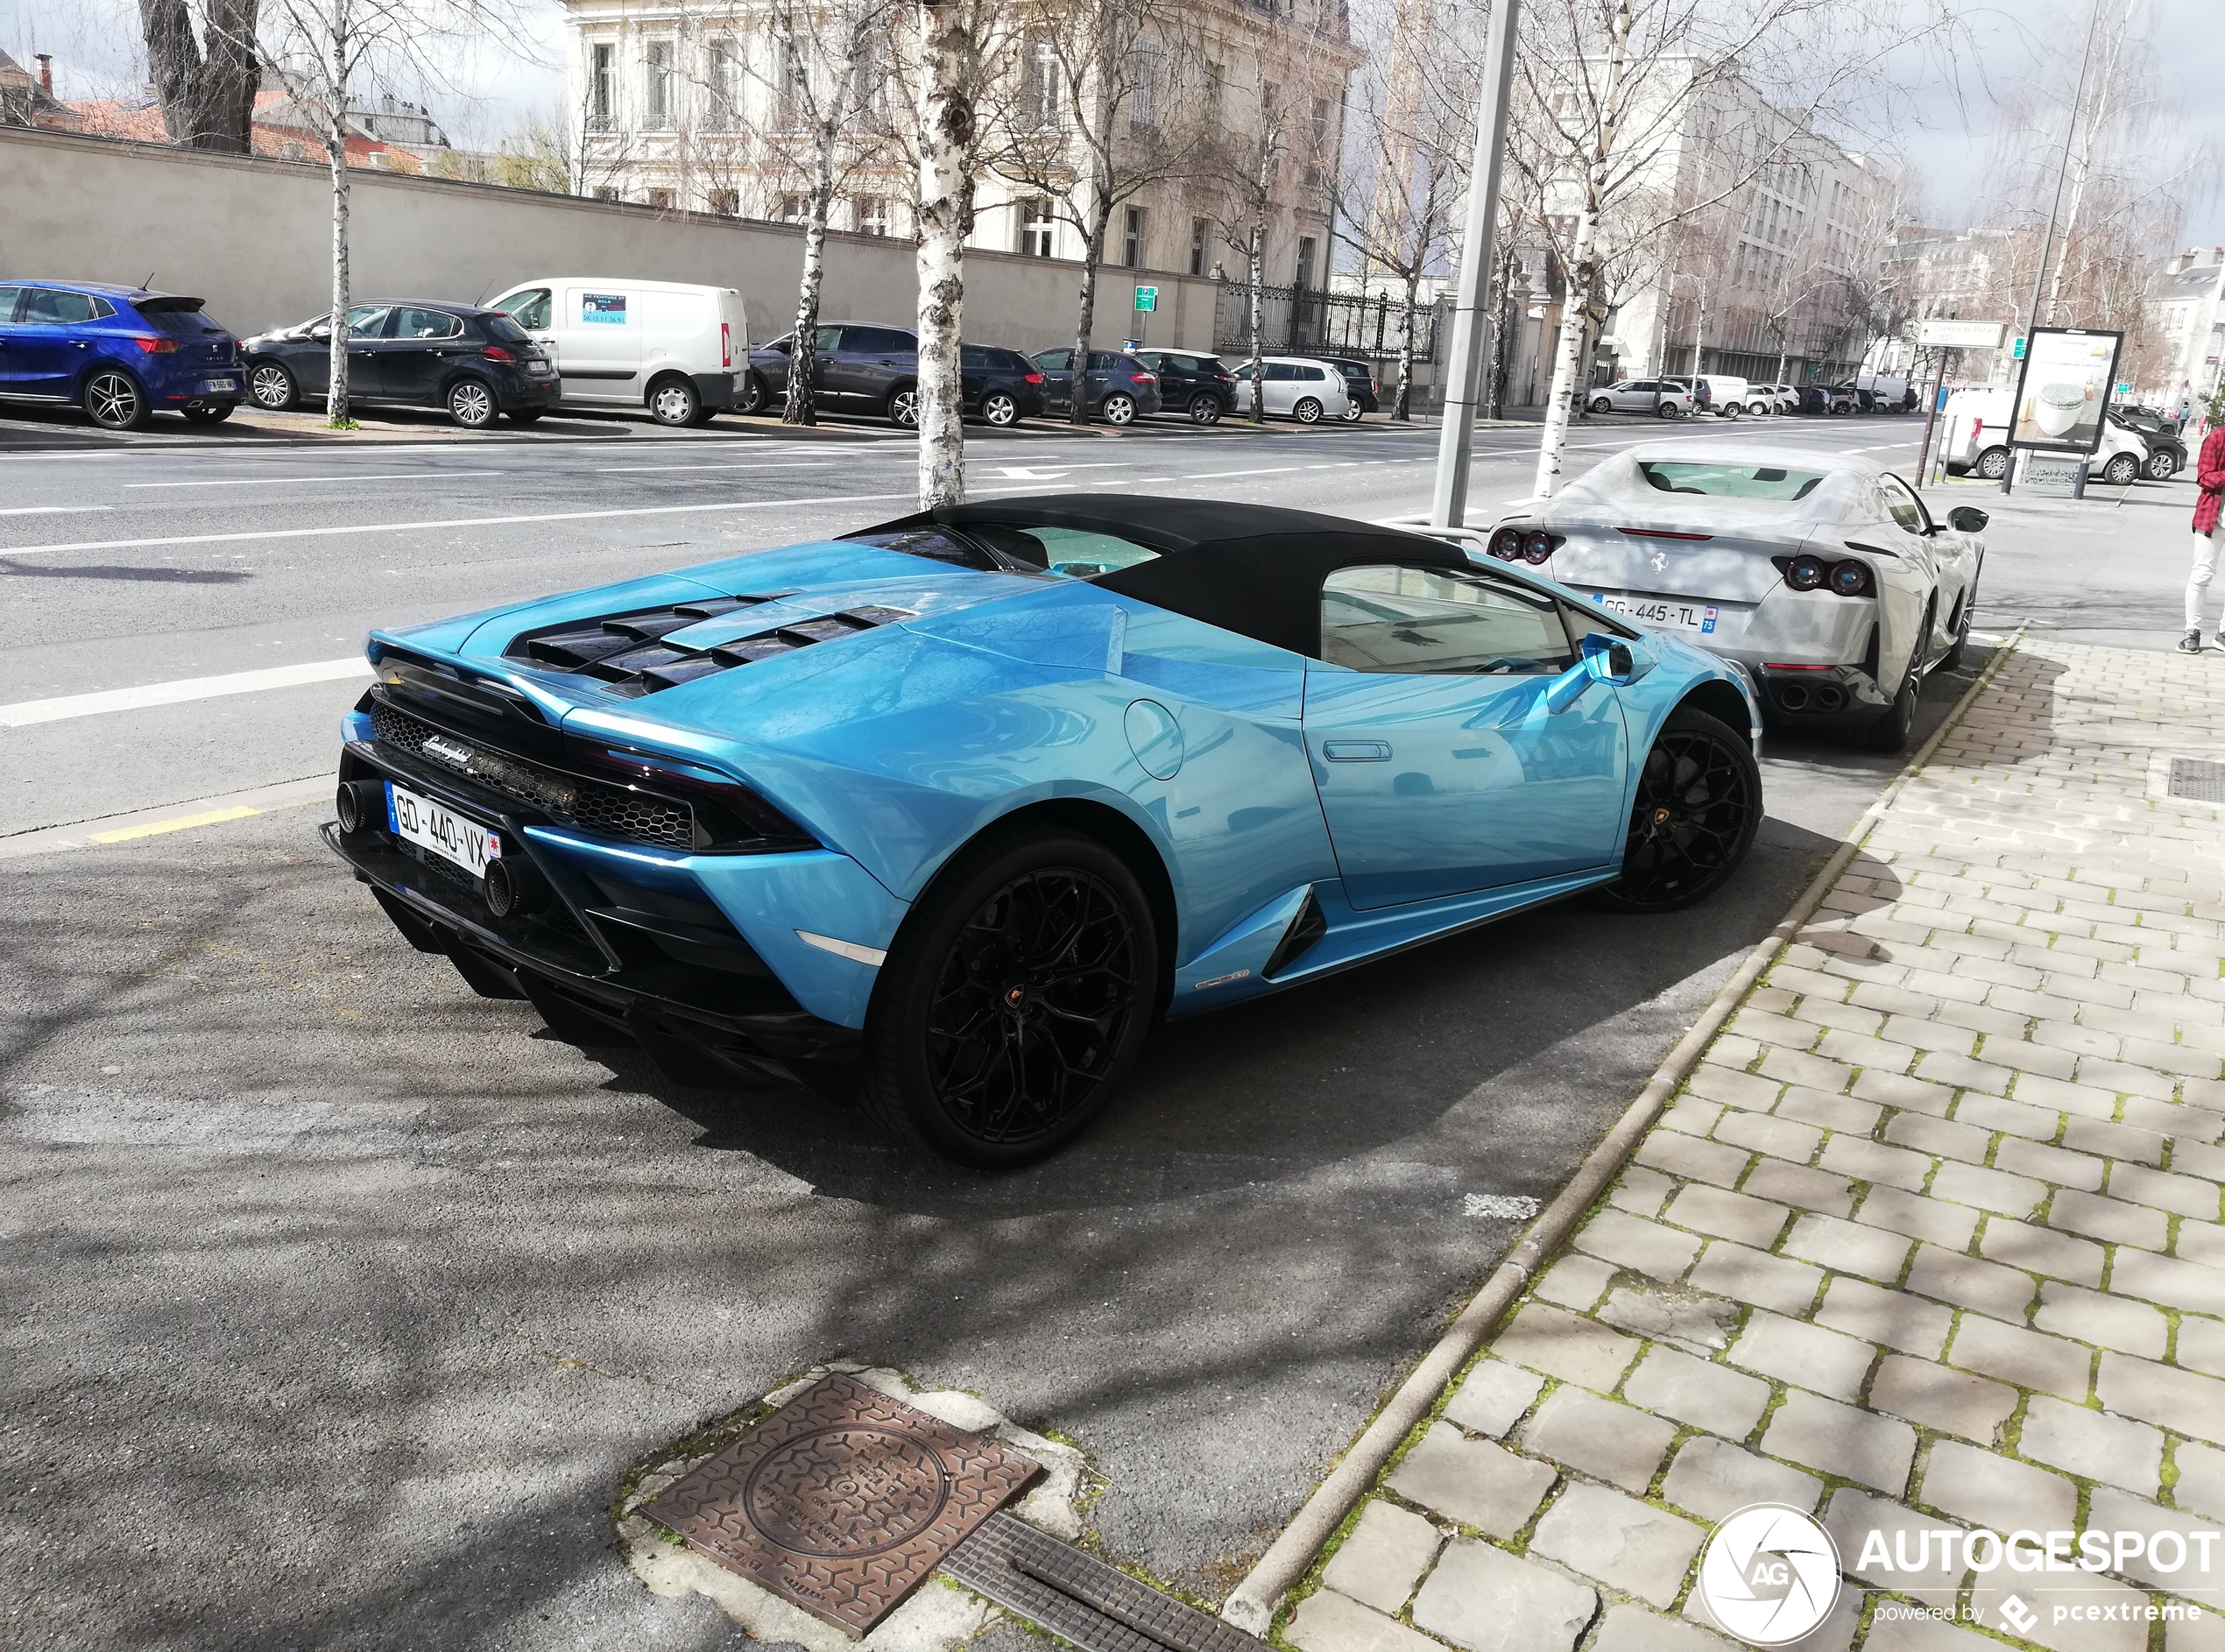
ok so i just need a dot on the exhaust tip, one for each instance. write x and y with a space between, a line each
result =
1830 698
359 803
1793 696
513 887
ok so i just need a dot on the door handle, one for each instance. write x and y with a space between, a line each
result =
1356 751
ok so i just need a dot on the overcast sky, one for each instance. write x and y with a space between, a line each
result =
94 45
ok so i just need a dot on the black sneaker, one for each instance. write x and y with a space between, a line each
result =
2192 642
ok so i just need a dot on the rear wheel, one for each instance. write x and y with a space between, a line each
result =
673 401
1014 1000
750 396
1669 410
2121 471
1119 408
1308 411
1205 410
999 409
273 386
1993 463
1352 410
1602 404
1730 410
471 404
1698 805
115 401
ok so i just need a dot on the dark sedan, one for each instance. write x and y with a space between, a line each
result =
862 369
1200 386
1121 387
421 353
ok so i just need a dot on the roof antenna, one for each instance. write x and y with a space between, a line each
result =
148 285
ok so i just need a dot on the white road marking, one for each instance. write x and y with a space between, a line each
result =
456 521
272 482
52 509
1208 475
25 712
692 469
1057 468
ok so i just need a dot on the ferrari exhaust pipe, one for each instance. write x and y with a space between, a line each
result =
1830 698
360 803
1793 696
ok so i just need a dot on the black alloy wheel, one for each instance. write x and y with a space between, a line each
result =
273 385
2162 466
999 408
1014 1000
1892 731
471 403
904 406
751 395
115 401
1204 409
1698 807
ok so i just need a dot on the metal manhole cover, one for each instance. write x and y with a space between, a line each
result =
2197 780
842 1500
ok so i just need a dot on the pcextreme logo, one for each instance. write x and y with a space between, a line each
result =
1770 1574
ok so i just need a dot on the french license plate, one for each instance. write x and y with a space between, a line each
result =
431 825
223 384
1674 616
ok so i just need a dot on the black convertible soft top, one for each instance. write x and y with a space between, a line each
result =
1254 570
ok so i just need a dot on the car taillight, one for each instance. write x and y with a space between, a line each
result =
154 345
1146 378
1032 378
1506 544
1809 573
1853 579
496 353
1537 546
725 344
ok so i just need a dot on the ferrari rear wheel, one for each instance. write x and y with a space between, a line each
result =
1014 1000
1698 807
1892 731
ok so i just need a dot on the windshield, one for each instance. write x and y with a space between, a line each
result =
1730 481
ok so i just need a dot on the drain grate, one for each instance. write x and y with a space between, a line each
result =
2197 780
1079 1598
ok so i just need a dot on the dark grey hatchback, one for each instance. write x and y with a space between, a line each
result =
475 363
1200 386
1121 387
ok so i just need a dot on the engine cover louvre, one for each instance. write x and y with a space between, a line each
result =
629 654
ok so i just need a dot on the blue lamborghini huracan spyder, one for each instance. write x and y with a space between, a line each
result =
947 811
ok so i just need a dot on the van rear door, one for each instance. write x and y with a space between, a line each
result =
598 344
733 334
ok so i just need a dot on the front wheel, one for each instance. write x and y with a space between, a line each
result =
1601 404
904 407
1892 731
1308 411
1205 410
272 387
114 400
673 401
2121 471
1119 408
1698 807
1730 410
471 404
1014 1000
999 409
1966 612
2162 467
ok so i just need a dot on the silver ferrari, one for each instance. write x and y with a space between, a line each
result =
1825 575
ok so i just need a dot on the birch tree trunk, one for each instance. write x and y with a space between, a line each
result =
1403 408
1255 270
335 147
945 214
804 355
1092 254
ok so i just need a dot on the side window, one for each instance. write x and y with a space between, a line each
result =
369 320
8 296
1281 372
1056 360
411 322
1389 618
48 307
1318 375
974 356
826 341
881 341
529 309
1904 507
1103 361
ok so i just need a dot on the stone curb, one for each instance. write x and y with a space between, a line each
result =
1252 1604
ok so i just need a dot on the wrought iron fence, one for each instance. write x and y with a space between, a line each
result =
1303 321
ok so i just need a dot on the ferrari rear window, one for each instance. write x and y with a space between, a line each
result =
1730 481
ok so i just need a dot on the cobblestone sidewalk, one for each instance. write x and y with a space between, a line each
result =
1930 1241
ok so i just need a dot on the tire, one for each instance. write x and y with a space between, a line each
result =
1993 463
1205 409
2121 471
1698 805
114 400
1308 411
999 408
1352 410
1032 941
1729 410
2162 467
273 386
214 414
1669 410
471 403
524 415
673 400
751 396
903 407
1118 408
1891 732
1601 404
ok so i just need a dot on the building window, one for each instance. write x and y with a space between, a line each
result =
1041 97
1132 238
1305 264
1199 229
1216 84
1143 91
794 98
722 80
1037 228
661 199
602 76
870 214
794 209
657 82
606 192
726 203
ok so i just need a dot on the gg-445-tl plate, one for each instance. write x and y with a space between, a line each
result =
842 1500
1670 615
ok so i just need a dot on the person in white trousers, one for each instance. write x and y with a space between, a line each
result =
2210 476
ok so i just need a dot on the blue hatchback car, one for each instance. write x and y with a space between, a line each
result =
121 353
950 811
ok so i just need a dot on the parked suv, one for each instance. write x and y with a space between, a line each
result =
1200 386
1121 387
121 353
858 367
418 352
1662 397
1362 393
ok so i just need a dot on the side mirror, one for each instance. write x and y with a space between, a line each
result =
1608 659
323 335
1968 519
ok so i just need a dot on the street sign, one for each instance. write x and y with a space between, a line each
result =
1962 334
1146 299
2018 354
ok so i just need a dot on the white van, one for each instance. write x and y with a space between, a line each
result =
680 351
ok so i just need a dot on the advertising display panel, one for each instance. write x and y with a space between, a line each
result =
2065 389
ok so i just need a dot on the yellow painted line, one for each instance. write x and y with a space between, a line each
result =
177 825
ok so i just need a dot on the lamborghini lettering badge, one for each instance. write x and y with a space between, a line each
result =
842 1500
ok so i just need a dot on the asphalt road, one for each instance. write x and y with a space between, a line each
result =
340 1299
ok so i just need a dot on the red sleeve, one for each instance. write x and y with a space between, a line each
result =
2209 474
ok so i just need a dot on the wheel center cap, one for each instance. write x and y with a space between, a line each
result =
1016 996
1661 816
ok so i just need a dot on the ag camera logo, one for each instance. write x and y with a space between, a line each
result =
1770 1574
